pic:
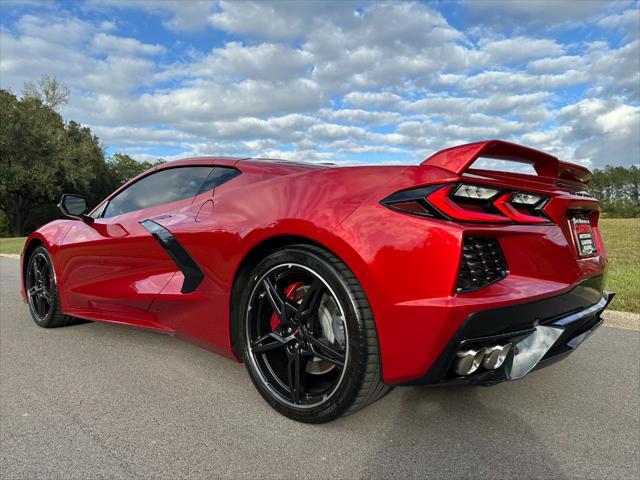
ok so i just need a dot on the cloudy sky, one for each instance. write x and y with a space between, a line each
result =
356 82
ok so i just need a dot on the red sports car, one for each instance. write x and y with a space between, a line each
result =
333 284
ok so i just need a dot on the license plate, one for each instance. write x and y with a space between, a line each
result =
584 236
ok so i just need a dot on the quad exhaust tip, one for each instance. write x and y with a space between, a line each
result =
468 361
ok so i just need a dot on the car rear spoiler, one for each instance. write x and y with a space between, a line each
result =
458 159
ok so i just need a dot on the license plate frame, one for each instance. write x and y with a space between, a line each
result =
583 234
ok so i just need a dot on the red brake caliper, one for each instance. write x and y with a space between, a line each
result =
290 293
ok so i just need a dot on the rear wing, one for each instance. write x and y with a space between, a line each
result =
458 159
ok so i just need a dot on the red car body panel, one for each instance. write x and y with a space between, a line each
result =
114 270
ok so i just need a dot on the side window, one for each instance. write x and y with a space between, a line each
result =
217 177
161 187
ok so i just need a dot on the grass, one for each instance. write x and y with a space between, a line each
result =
12 245
622 240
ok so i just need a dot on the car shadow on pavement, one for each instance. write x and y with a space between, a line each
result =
455 433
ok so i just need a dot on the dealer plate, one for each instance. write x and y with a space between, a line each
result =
584 236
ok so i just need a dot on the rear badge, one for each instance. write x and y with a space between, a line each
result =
584 236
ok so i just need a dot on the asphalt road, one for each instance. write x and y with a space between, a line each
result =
105 401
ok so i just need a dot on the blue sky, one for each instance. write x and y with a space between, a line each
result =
353 82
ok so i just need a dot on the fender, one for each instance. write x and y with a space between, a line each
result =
51 235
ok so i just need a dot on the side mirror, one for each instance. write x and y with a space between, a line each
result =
74 206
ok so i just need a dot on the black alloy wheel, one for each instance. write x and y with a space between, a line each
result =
42 291
306 329
39 286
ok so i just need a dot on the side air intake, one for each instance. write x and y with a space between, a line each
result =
482 264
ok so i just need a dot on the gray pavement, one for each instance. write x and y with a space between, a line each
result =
105 401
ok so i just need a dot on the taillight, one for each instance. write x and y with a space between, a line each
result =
463 209
515 212
413 201
470 203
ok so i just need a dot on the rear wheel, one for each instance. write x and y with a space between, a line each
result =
42 291
308 336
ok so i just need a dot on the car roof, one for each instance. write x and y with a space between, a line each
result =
233 161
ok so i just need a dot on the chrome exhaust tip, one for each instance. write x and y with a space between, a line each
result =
468 361
495 356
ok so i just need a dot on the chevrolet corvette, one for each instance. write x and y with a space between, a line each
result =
334 284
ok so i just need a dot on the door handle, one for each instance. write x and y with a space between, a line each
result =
206 209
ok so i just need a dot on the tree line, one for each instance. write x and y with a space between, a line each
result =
42 156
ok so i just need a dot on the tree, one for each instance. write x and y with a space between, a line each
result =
124 168
40 158
617 188
48 90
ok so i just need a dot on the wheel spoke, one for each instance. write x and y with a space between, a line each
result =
46 295
41 265
283 307
274 298
311 300
40 303
35 270
277 341
325 352
295 373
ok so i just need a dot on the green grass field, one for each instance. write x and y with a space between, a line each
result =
621 237
11 245
622 240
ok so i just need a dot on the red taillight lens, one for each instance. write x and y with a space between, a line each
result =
442 200
505 205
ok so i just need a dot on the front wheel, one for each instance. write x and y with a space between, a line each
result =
308 336
42 291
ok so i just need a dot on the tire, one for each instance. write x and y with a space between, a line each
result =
310 364
42 292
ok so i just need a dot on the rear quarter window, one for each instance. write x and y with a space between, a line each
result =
217 177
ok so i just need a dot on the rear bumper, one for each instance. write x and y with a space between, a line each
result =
539 333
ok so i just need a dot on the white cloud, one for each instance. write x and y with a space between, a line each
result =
208 100
627 21
358 116
333 131
517 49
284 20
112 44
603 129
41 47
63 30
528 14
142 136
266 61
554 65
373 99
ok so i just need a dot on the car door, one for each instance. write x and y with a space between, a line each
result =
194 302
116 264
